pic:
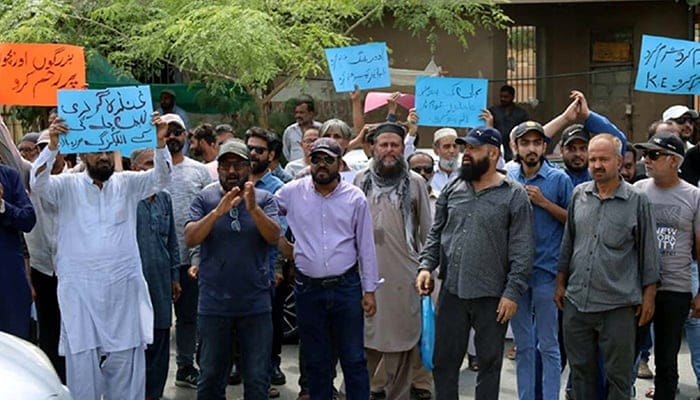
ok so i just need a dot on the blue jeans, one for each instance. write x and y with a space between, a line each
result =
538 334
692 330
331 317
254 334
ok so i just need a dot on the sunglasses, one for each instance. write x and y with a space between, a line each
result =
325 158
175 132
683 120
428 169
257 149
235 224
654 155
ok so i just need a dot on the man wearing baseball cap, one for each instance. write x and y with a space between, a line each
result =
445 147
549 190
335 259
682 119
574 153
232 217
483 239
677 213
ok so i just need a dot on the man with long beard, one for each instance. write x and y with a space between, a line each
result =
335 258
234 224
483 237
106 312
400 208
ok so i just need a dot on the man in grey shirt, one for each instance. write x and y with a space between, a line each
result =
677 214
607 272
483 226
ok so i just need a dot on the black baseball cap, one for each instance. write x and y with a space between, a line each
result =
481 135
664 141
328 146
573 132
525 127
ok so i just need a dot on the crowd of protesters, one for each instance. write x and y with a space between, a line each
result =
581 261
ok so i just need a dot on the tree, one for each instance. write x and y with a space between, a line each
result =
262 45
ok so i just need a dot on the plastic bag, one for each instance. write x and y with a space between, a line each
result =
427 337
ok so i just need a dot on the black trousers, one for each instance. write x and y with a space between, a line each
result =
669 318
49 317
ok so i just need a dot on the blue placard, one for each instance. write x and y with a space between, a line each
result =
366 66
106 120
668 66
453 102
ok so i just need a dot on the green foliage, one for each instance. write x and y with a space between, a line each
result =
263 45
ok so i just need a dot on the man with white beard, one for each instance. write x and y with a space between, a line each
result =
445 147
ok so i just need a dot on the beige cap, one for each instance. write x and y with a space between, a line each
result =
444 132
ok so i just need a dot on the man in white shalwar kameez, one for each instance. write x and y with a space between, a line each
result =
107 317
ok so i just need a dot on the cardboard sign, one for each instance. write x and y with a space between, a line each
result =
31 74
668 66
365 66
107 120
455 102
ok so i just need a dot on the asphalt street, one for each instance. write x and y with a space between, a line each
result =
688 389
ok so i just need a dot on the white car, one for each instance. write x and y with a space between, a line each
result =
26 372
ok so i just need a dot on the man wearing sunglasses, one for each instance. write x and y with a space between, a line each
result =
677 213
683 120
188 179
335 258
234 224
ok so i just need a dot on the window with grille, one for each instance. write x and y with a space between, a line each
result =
522 62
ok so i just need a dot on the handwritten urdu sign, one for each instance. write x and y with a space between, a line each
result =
366 66
453 102
668 66
106 120
31 74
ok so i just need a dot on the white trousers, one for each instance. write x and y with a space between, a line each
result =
120 375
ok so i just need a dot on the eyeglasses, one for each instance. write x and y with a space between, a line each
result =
257 149
683 120
308 141
428 169
325 158
235 224
237 165
175 132
26 149
654 155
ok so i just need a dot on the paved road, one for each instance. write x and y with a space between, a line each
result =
289 391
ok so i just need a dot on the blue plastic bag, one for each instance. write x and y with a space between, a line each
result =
427 337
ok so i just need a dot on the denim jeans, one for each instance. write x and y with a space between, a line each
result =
254 334
329 318
692 331
538 334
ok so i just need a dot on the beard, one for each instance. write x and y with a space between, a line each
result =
575 169
259 166
100 171
196 151
448 164
325 180
390 167
229 184
475 170
531 162
174 146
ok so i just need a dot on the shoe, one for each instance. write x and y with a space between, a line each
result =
473 363
234 377
644 371
186 377
273 393
421 394
377 395
512 353
277 377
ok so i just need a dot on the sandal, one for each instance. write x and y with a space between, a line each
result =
649 394
421 394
